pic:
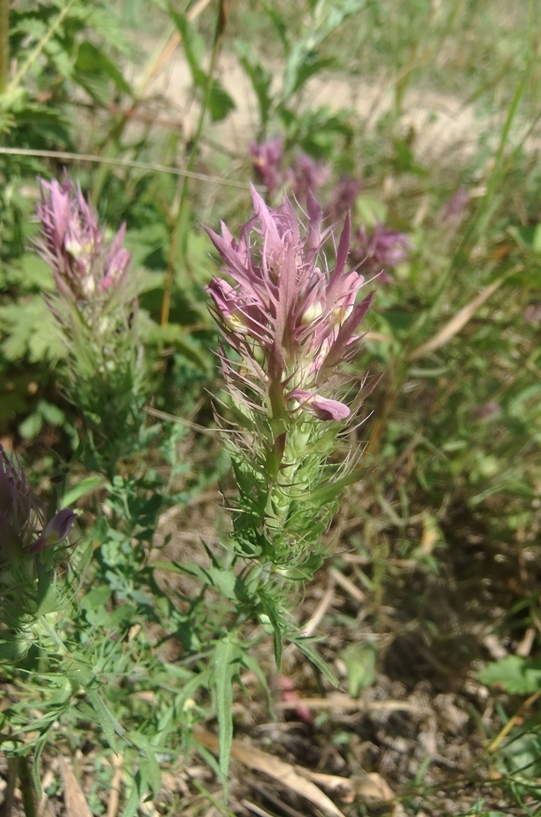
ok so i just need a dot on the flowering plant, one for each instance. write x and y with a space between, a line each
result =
29 553
290 324
96 312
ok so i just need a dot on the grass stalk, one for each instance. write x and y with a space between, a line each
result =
34 54
181 215
111 143
27 788
4 45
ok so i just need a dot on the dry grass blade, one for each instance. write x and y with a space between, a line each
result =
371 786
456 324
74 799
116 783
344 702
117 161
347 585
284 773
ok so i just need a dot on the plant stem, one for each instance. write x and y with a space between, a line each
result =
27 788
32 57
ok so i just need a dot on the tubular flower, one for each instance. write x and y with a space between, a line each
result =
290 320
74 246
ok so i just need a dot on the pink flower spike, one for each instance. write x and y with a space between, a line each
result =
55 531
267 162
290 319
321 407
74 246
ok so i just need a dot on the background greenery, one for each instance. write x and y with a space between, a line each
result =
430 598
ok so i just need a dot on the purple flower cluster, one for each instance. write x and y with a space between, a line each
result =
374 253
290 320
74 246
305 174
380 250
21 516
267 163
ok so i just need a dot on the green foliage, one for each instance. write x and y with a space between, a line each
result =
514 674
219 102
150 630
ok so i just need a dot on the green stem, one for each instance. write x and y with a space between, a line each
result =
32 57
4 45
27 788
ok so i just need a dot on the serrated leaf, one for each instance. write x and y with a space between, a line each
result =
302 63
94 71
516 675
30 331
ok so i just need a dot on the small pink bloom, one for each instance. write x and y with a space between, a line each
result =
55 531
21 515
455 208
73 244
321 407
289 695
381 249
343 197
290 320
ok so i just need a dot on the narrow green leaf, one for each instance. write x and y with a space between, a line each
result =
219 101
108 723
225 669
84 486
149 768
305 646
254 666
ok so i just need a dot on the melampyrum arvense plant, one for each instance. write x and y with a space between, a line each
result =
31 548
95 308
289 323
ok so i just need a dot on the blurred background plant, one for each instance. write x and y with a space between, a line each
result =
423 118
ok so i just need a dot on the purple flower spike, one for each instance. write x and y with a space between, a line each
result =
19 510
290 320
21 515
307 175
343 197
267 162
381 249
74 246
